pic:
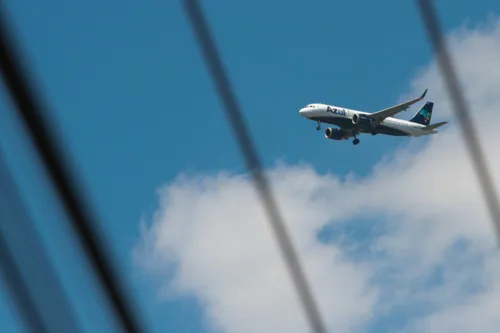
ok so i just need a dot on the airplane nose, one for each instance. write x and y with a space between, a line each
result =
302 112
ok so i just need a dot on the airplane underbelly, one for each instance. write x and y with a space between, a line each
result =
391 130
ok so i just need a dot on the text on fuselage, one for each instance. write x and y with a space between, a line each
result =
340 112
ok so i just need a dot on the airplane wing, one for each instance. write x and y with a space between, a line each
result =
389 112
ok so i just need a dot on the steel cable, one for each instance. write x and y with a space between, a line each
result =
240 131
23 256
41 134
462 111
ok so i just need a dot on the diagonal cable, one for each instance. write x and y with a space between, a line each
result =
235 116
18 289
32 114
22 256
461 110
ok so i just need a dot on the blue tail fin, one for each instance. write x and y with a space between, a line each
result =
423 116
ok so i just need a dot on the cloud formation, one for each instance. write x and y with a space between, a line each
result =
410 246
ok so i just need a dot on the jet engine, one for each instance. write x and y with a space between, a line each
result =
361 120
335 134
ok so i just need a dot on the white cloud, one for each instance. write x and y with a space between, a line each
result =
437 246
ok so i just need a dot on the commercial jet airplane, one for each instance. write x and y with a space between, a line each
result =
352 122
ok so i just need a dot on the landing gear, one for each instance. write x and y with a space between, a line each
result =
355 136
319 126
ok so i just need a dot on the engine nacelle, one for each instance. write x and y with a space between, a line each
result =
335 134
361 120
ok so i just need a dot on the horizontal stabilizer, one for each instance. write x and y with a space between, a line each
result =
436 125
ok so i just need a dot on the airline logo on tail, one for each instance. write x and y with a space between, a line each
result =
426 115
423 116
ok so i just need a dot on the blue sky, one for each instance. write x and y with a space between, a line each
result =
135 106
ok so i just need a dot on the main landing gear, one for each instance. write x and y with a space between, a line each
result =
356 140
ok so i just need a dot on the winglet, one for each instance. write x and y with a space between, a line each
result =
423 95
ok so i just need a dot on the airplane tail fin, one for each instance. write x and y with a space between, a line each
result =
423 116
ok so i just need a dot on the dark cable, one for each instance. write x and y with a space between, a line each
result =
235 116
31 113
19 291
461 110
24 257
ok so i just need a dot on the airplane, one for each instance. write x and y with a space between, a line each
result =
353 122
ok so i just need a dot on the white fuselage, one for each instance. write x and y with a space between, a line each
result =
338 115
